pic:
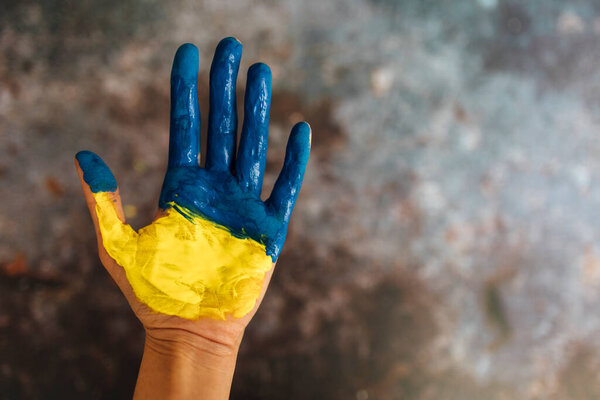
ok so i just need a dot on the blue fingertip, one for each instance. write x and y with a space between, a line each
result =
228 45
259 72
185 64
300 140
258 96
296 155
96 173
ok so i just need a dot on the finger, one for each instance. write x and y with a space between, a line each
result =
104 203
96 177
286 189
251 158
184 140
222 117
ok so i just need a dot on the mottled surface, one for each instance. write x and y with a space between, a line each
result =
446 243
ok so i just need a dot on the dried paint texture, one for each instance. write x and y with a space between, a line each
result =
188 267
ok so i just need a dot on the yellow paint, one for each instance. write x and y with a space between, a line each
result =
189 269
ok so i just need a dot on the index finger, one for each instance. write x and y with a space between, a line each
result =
184 139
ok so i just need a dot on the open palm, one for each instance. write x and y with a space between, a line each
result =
204 263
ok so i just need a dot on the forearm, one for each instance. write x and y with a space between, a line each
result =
182 366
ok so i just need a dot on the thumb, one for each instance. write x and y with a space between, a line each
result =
104 203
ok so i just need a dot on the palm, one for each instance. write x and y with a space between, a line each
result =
218 196
215 237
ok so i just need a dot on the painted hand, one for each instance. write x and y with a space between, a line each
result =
209 254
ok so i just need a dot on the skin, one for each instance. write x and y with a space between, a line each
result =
195 358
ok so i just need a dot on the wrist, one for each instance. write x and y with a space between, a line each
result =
178 342
179 364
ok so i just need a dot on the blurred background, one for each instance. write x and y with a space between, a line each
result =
446 243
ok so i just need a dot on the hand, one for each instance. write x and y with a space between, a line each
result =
197 274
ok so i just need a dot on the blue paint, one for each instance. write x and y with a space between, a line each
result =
184 141
222 117
215 193
286 189
252 155
95 172
220 197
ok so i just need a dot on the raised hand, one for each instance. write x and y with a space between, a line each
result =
206 260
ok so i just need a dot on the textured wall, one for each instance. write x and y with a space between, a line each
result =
446 243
